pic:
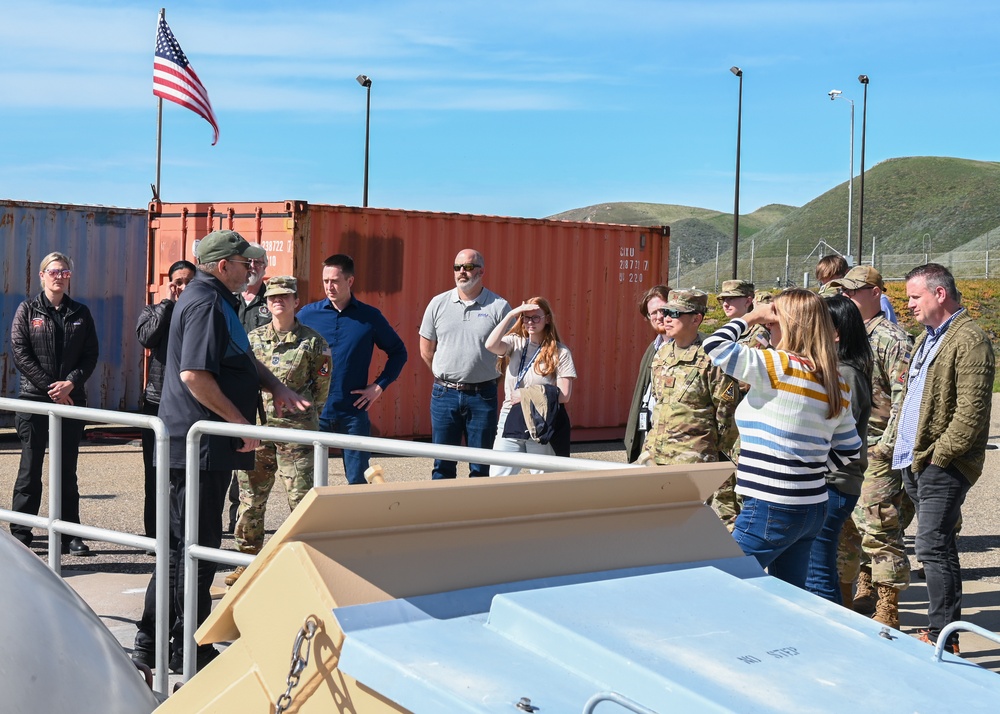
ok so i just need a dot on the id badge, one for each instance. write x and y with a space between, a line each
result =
643 420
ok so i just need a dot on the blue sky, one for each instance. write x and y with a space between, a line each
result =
510 108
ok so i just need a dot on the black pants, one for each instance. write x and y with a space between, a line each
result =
149 472
938 495
212 493
33 430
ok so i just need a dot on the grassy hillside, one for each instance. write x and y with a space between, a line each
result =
696 231
951 201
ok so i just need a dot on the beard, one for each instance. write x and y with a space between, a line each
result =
471 284
253 279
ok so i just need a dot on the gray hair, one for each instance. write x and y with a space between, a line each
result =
936 276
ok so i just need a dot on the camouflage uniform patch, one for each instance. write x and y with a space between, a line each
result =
873 538
300 359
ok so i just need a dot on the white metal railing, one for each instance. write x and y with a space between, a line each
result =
57 527
322 442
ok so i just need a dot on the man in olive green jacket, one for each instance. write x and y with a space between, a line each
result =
941 433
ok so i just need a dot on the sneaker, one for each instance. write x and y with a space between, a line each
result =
925 636
205 655
144 657
235 575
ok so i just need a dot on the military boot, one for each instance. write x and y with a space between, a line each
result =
865 596
887 607
847 595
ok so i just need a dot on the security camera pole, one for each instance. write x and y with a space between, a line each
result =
863 78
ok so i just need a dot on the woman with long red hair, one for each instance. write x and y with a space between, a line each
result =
534 356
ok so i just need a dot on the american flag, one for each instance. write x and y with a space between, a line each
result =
175 80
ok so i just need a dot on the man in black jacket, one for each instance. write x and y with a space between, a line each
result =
152 330
55 349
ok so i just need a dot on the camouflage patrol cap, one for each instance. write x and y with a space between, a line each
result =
687 301
858 277
281 285
736 288
763 297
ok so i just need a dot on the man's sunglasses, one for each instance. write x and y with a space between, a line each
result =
467 267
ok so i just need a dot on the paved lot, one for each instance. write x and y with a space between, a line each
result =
114 579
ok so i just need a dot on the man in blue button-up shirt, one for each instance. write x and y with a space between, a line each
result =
353 330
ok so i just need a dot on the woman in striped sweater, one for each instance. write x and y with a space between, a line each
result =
795 425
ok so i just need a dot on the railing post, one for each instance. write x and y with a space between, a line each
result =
162 594
321 465
192 505
55 491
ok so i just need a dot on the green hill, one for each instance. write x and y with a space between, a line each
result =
950 201
697 231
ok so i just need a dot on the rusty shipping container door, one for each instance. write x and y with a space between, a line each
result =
109 250
592 273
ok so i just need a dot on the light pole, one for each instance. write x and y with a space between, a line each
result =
366 82
863 78
736 207
837 94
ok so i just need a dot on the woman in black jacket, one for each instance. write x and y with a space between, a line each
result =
55 349
152 330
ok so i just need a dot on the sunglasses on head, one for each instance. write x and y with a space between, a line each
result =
467 267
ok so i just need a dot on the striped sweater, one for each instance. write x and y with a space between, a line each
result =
788 444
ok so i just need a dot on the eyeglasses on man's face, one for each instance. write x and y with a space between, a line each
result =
851 292
467 267
248 263
58 273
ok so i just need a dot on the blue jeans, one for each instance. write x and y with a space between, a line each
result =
938 495
455 414
823 579
779 536
356 423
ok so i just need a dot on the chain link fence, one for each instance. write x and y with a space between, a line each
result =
772 272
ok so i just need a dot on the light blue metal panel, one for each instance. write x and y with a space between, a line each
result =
697 639
108 248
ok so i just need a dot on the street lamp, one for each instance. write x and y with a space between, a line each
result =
837 94
863 78
366 82
736 207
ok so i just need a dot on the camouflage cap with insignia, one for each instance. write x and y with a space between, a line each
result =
858 277
281 285
736 288
687 301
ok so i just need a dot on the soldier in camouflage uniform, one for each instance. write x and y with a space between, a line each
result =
300 358
871 545
737 299
693 414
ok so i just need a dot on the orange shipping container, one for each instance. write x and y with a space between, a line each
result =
592 273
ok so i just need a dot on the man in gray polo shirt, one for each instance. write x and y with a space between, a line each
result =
453 345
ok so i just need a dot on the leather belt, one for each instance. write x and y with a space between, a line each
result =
465 386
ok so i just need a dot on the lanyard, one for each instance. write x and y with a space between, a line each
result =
523 369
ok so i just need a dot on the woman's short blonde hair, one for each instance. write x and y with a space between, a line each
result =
53 257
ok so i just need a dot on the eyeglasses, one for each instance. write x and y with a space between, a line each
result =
248 263
531 319
57 273
667 312
258 262
467 267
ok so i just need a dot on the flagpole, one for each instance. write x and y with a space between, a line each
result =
159 140
159 129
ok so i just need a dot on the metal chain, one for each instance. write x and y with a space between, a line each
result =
299 662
